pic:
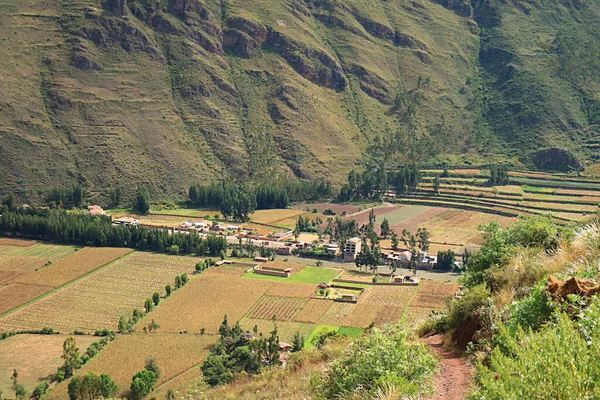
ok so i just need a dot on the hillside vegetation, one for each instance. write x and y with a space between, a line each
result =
168 93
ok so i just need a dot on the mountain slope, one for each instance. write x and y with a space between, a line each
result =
172 92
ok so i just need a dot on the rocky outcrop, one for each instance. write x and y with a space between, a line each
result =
424 56
404 40
372 84
84 58
117 7
242 44
375 28
461 7
180 8
333 20
110 31
313 64
256 30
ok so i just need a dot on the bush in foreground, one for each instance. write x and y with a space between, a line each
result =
379 362
554 363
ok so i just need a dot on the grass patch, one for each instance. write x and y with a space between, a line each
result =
313 275
318 330
351 332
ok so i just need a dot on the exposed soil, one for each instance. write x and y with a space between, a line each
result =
456 377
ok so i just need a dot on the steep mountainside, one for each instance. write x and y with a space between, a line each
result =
171 92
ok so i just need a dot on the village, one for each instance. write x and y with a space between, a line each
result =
284 243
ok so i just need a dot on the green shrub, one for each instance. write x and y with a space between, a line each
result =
532 311
377 361
554 363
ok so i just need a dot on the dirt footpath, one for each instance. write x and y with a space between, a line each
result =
455 380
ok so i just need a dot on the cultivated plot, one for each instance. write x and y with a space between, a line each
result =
204 302
314 310
35 357
98 301
285 329
277 308
175 354
432 294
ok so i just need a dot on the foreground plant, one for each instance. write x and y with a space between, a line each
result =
377 362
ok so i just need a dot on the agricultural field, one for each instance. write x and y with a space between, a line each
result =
97 301
29 269
314 310
35 357
285 289
312 275
450 229
432 294
285 329
204 302
175 354
567 197
277 308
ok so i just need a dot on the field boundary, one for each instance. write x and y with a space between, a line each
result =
65 285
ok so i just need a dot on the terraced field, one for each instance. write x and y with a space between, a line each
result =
567 198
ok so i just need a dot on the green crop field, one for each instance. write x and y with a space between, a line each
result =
308 274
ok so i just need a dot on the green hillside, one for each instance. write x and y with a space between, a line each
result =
166 93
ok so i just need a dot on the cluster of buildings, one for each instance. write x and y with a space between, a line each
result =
400 259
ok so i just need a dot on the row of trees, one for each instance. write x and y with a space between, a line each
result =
88 230
237 200
375 180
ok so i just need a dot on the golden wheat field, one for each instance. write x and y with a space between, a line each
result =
314 310
17 294
388 295
337 314
277 308
97 301
433 294
364 314
284 289
285 329
204 302
35 357
126 355
72 267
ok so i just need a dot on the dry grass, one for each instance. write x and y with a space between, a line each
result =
16 242
14 267
415 315
285 329
78 264
285 289
433 294
35 357
174 353
17 294
98 301
273 216
313 311
364 314
279 308
204 302
357 276
337 314
388 295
